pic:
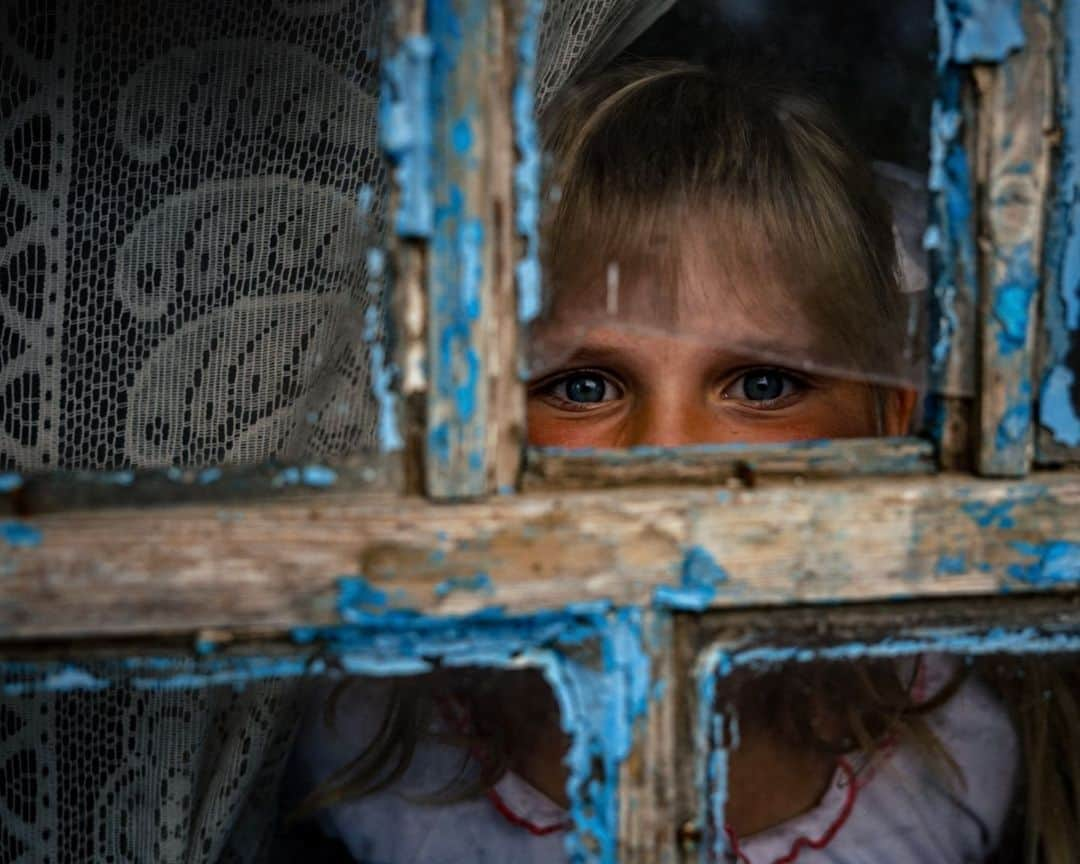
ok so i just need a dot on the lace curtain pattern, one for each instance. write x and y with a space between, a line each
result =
188 191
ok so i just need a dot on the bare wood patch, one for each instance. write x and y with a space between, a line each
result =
1013 165
594 469
275 566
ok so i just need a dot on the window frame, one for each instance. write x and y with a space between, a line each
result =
243 562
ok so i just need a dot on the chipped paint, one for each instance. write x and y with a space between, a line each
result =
979 31
20 535
208 476
405 133
969 31
317 476
987 515
62 679
527 170
457 403
710 760
1012 299
1056 411
699 580
478 583
951 565
383 372
1056 563
1059 403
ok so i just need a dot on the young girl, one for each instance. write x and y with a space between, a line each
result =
720 269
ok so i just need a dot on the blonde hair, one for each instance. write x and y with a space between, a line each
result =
653 161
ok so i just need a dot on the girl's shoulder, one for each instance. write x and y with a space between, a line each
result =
903 806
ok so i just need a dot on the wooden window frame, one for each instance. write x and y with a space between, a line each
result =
459 532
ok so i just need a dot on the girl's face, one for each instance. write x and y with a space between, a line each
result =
718 370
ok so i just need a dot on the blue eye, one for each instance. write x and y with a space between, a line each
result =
763 385
584 388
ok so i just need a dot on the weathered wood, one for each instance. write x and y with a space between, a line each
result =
648 782
553 468
22 495
471 322
278 565
1015 114
408 259
950 241
1058 439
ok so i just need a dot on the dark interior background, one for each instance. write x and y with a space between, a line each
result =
872 61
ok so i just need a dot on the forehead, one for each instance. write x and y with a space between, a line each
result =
700 299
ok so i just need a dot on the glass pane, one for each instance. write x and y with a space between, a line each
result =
194 204
733 237
174 759
928 757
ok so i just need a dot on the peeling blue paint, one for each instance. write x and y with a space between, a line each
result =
479 583
1056 410
208 476
949 238
979 31
456 400
1059 412
358 600
969 31
700 578
383 376
951 565
20 535
598 706
986 515
1057 563
405 132
375 259
461 136
10 482
1015 423
61 679
365 197
997 640
318 476
527 170
1012 300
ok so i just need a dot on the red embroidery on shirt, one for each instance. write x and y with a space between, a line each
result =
520 821
805 842
457 716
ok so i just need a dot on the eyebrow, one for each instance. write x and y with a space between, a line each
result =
602 350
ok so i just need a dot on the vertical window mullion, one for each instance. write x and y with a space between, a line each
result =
1015 110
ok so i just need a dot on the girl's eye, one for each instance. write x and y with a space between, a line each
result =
581 388
764 387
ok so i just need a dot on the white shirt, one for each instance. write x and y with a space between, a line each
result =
902 810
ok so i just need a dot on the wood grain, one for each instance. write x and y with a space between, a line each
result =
1013 167
706 464
274 566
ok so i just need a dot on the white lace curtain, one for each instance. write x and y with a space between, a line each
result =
182 282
